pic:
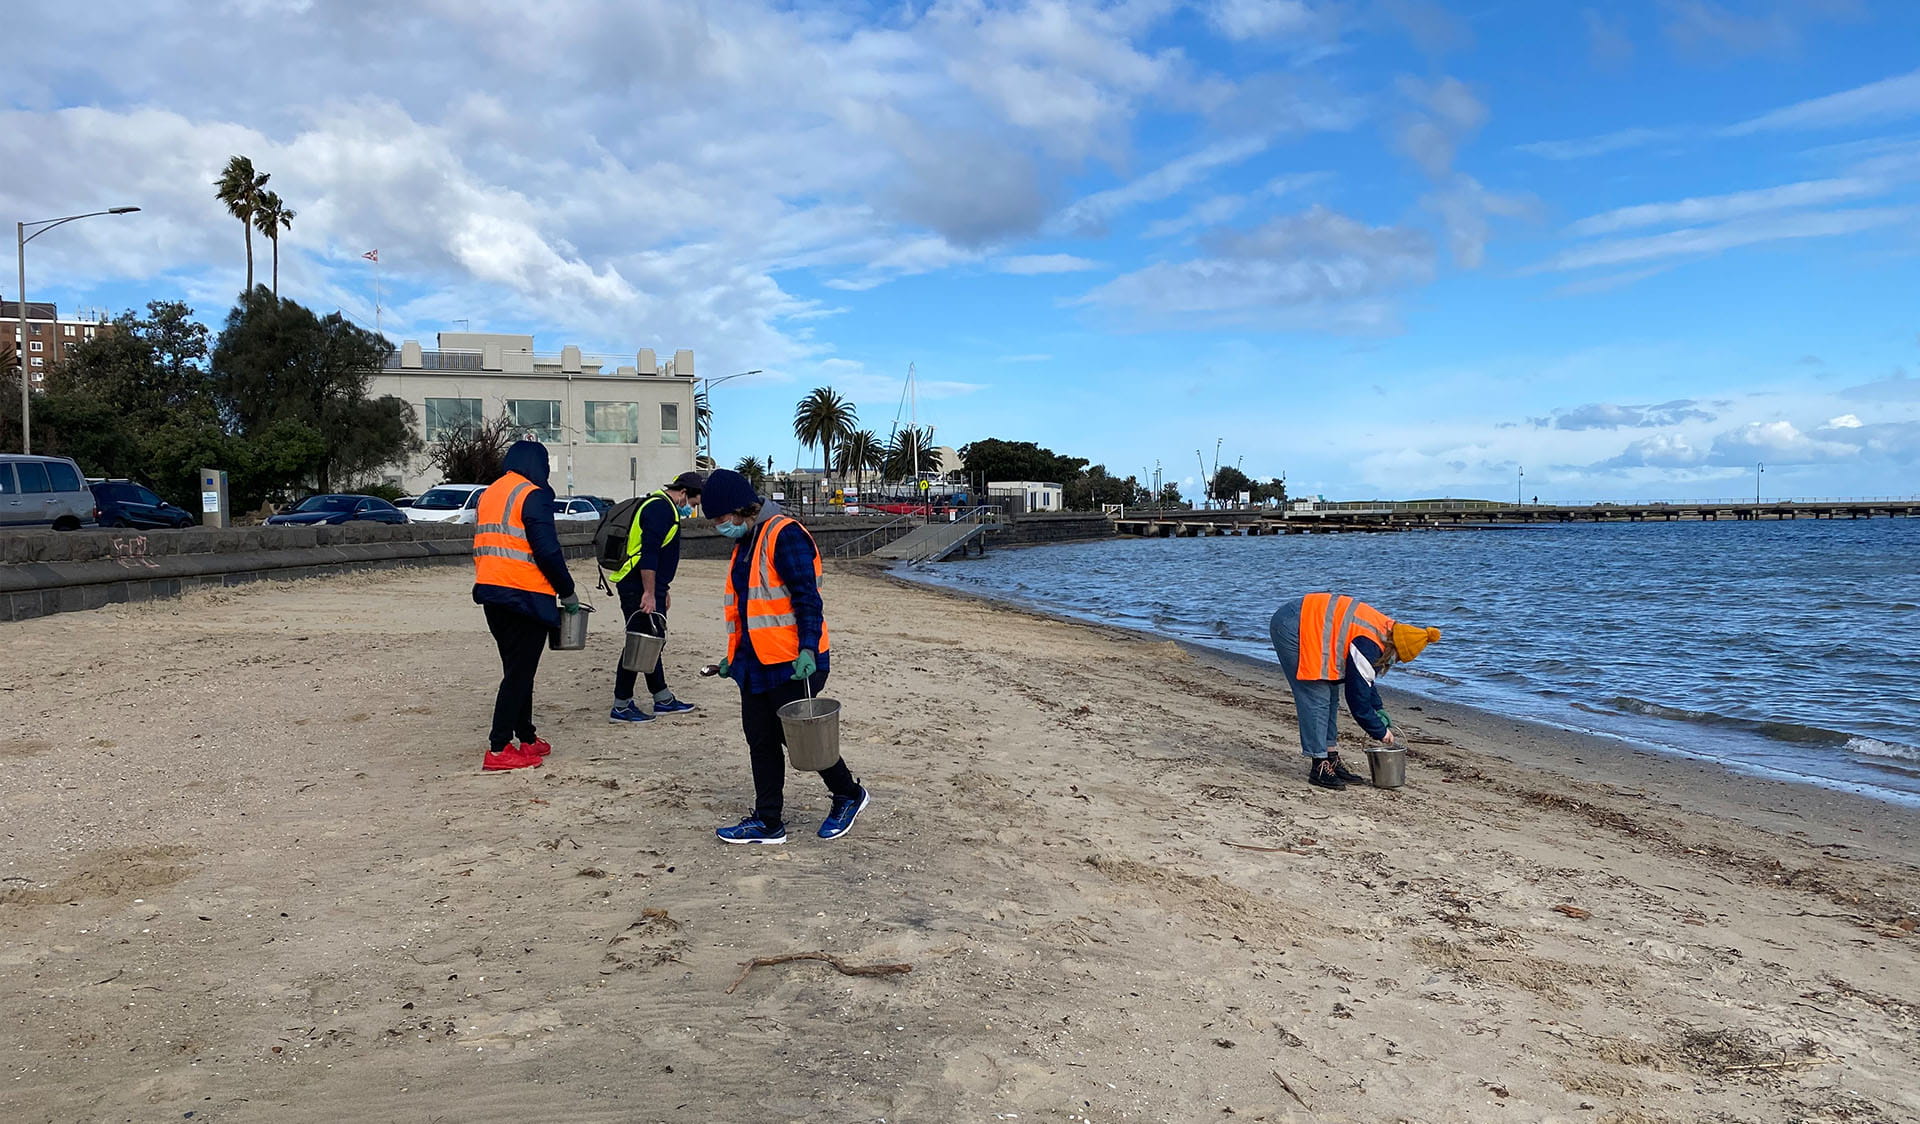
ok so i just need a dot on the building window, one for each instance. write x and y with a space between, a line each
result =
39 362
539 419
37 345
69 330
613 423
669 423
447 415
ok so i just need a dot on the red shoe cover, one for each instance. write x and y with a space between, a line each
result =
509 758
538 747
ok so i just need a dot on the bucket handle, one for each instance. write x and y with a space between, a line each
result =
658 619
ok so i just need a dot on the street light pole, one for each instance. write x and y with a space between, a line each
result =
1758 469
705 386
1519 475
20 352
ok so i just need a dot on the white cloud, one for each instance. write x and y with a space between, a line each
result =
1319 269
1090 215
1583 147
1267 19
1885 100
1695 242
1719 208
1025 264
1446 113
1466 208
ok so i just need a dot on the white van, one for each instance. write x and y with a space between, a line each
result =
44 492
446 503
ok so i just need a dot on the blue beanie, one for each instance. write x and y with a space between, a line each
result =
726 492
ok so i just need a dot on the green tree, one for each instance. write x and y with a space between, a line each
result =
136 402
1095 487
910 454
703 430
990 459
860 453
272 216
1228 483
279 368
754 471
1170 497
822 419
239 187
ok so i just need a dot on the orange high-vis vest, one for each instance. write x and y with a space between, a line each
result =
1328 626
771 625
501 553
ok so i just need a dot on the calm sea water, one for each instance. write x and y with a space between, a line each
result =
1790 649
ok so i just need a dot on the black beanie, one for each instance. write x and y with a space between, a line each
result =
726 492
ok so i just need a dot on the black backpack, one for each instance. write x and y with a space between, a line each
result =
610 536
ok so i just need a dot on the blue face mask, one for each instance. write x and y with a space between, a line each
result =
686 511
734 530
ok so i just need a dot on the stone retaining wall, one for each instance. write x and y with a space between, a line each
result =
44 571
1036 530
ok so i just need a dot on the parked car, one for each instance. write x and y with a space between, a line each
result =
44 492
446 503
405 501
335 508
122 503
575 509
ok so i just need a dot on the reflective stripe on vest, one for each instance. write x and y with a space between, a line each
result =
1328 627
771 623
634 534
502 556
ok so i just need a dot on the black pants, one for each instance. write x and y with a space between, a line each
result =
521 639
630 593
766 745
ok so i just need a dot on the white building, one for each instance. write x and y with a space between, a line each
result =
1034 496
612 428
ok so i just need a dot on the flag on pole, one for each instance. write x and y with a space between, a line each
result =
371 255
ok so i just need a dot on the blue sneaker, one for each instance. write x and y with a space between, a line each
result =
628 713
673 706
845 810
753 829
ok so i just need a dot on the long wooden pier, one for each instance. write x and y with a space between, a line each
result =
1301 518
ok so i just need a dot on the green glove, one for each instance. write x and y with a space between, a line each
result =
571 602
726 667
805 665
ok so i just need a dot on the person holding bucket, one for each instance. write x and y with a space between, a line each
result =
1327 643
777 651
518 570
645 586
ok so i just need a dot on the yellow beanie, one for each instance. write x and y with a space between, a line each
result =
1409 641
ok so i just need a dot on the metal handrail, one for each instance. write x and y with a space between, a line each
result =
845 549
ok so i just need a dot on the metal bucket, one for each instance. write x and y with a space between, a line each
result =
812 727
570 635
1388 766
646 639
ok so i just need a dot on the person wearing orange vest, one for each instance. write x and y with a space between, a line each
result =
1327 642
518 571
777 650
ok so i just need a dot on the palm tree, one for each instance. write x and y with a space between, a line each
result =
239 188
703 425
272 216
861 452
823 419
910 453
755 473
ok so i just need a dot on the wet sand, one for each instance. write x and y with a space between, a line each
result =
253 872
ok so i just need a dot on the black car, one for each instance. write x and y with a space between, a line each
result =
123 503
317 510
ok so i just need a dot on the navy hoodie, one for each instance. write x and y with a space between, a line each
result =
529 459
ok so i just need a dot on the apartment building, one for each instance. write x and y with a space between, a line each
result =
613 427
49 337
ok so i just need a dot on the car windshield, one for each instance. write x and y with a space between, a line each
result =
443 499
328 503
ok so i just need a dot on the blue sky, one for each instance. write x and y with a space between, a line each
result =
1385 247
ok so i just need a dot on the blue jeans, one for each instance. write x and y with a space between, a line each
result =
1316 701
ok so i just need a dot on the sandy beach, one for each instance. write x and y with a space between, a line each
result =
253 873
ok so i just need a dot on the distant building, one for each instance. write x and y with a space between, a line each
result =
1031 495
49 337
613 427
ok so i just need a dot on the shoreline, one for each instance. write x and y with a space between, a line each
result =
1799 808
